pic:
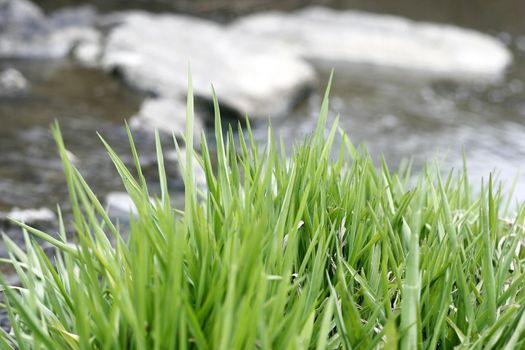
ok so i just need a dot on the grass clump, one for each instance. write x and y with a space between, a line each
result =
310 252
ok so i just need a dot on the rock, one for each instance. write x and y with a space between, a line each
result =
38 217
74 27
326 36
25 32
167 115
13 83
198 172
88 52
77 16
65 40
120 205
21 17
153 53
23 28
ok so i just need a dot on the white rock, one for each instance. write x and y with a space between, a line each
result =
27 33
88 53
153 53
23 27
62 41
20 17
29 216
12 83
167 115
329 36
120 204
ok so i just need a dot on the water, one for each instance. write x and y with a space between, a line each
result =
83 101
420 120
397 115
406 117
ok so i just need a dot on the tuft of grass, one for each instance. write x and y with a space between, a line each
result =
306 252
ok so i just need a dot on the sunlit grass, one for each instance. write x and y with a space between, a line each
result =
306 252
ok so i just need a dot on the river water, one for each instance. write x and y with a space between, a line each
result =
396 115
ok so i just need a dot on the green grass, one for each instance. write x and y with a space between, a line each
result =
307 252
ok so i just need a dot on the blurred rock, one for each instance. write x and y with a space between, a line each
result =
167 115
25 32
37 217
88 52
65 40
329 37
13 83
22 26
76 16
21 18
153 53
75 27
120 205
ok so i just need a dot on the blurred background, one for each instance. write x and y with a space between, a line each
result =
414 79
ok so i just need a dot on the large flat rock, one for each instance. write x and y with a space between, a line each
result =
324 36
153 53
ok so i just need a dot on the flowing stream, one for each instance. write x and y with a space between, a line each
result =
398 115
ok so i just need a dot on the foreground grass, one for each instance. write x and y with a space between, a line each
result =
300 253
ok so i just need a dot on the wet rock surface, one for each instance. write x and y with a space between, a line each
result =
120 205
41 216
154 52
330 37
21 22
21 18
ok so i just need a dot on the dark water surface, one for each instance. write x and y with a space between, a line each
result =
398 115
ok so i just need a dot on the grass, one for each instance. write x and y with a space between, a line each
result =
307 252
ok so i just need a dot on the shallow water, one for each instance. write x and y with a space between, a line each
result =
83 101
395 114
408 117
421 120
